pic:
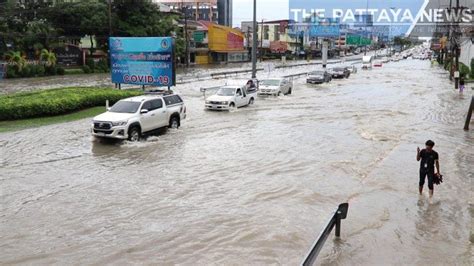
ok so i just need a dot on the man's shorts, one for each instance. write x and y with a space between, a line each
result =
423 174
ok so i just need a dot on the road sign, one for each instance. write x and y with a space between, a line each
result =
143 60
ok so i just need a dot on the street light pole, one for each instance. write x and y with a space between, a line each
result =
254 40
390 38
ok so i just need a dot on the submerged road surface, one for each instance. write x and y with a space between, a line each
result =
254 186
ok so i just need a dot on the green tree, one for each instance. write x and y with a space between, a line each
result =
48 57
141 19
78 19
16 59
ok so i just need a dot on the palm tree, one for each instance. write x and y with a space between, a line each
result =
16 59
48 57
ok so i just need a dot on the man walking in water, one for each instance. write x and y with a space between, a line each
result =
429 158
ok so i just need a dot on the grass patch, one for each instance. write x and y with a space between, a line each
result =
73 71
57 101
6 126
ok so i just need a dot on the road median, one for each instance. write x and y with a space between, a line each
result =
55 102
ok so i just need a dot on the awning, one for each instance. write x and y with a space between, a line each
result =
229 51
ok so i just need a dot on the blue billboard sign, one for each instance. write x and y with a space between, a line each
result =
142 60
324 31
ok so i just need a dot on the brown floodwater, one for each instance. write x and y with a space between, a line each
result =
254 186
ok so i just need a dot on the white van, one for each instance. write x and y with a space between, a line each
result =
367 61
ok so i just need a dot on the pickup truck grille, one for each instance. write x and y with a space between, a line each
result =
102 125
214 102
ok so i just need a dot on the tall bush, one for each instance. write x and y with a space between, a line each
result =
472 68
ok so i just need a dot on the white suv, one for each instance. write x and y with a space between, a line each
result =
132 117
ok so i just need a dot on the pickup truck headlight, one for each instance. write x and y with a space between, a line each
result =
208 102
120 123
225 103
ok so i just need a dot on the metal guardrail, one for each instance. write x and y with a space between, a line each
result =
334 221
225 74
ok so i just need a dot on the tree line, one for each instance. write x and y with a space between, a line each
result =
30 27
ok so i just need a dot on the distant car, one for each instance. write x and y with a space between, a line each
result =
230 96
378 63
385 59
339 72
318 77
275 86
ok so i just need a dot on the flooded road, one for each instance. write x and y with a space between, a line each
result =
254 186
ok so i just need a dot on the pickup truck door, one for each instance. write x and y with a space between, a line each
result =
285 86
146 119
240 97
159 114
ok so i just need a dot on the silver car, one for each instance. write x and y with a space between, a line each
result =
275 86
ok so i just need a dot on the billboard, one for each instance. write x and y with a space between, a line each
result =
142 60
324 30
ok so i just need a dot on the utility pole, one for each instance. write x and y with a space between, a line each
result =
186 35
261 43
366 25
254 40
456 36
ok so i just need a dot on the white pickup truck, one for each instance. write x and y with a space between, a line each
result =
132 117
230 96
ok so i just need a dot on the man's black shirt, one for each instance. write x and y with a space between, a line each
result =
428 159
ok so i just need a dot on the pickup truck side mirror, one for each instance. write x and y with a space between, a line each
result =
143 111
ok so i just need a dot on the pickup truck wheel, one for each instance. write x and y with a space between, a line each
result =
174 122
251 101
232 105
279 93
134 134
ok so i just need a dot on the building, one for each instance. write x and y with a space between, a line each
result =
273 36
216 11
211 43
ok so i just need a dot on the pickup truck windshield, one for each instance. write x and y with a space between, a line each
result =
270 82
125 107
226 92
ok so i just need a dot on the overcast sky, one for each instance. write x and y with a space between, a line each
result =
266 9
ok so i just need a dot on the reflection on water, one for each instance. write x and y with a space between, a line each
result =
254 186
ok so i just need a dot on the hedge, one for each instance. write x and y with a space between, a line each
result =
33 71
57 101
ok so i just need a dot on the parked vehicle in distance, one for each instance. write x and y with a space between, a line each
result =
385 59
318 77
378 63
131 118
367 61
339 72
275 86
230 96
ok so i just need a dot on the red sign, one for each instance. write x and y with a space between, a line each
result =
278 47
234 41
